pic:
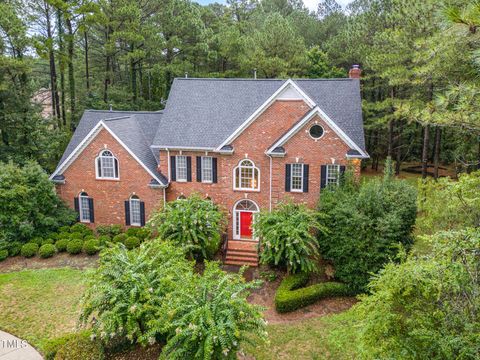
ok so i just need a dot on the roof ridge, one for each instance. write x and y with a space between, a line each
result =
277 79
125 111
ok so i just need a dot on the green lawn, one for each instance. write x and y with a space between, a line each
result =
40 304
313 338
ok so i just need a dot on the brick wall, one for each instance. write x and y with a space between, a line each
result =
109 195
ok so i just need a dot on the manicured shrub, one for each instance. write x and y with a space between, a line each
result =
288 237
47 250
91 247
48 241
138 279
37 240
29 249
133 231
13 248
367 223
63 235
80 347
3 254
132 242
29 205
54 236
78 227
120 238
110 230
89 237
75 246
61 245
64 229
76 235
292 295
193 223
104 239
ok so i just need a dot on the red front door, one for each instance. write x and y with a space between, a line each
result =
246 225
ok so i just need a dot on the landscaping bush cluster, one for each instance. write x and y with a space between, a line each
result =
368 224
79 238
292 295
160 298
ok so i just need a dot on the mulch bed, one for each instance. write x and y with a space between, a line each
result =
18 263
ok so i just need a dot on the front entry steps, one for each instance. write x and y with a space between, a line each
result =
242 253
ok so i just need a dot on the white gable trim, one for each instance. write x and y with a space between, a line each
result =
317 111
87 140
264 106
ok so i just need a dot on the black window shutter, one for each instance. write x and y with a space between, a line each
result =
305 178
127 212
92 214
76 204
199 168
142 213
116 167
342 173
323 176
288 175
189 168
173 169
99 167
214 170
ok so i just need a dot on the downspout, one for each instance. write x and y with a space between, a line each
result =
164 197
168 162
270 190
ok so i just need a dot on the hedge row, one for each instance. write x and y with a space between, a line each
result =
292 295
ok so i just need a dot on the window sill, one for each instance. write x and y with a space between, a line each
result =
246 190
180 181
297 191
207 182
108 179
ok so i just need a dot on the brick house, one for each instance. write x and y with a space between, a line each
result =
246 144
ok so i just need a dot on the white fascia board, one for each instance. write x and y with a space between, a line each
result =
74 154
186 148
87 140
330 123
263 107
132 154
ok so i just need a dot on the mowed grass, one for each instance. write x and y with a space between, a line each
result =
314 338
36 305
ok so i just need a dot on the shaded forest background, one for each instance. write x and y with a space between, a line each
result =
420 62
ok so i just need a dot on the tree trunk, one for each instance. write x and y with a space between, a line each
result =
133 75
398 150
436 155
107 68
390 138
87 68
61 63
53 71
426 140
71 73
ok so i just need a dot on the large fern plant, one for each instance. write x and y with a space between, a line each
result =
288 237
209 317
125 292
194 223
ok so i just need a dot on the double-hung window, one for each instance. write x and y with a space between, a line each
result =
84 207
107 165
181 167
296 179
247 176
333 174
135 214
207 169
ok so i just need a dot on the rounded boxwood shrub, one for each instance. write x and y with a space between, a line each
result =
120 238
53 236
64 229
80 347
14 249
75 246
132 242
91 247
89 237
61 245
78 227
133 231
37 240
103 239
47 250
29 249
63 235
48 241
76 235
3 254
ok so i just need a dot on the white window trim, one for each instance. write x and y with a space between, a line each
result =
314 138
240 182
211 169
291 178
176 168
133 223
327 175
80 208
97 176
236 235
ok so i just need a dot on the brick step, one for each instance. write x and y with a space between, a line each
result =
242 252
241 263
241 258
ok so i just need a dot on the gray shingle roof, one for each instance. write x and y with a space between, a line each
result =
136 129
204 112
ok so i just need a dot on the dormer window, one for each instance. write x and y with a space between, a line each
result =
247 176
107 165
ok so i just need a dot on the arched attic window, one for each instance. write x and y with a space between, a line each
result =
107 165
247 176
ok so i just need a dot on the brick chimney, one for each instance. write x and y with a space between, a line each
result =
355 72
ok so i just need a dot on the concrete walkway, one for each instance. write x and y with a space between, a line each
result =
13 348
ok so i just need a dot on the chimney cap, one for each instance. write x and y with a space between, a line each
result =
356 66
355 72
